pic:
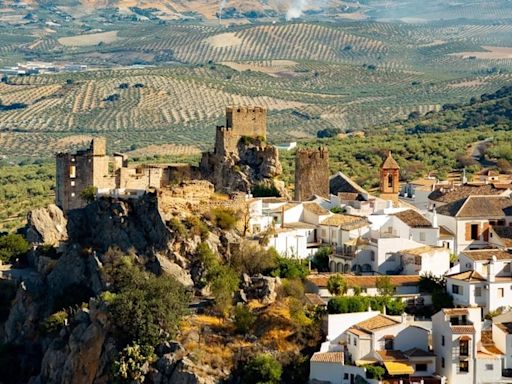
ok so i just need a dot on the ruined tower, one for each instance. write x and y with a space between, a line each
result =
389 179
311 173
240 122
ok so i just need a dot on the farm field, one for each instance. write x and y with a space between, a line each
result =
158 79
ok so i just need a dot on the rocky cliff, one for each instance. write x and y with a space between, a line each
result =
255 163
84 348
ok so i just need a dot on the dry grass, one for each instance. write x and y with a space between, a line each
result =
88 40
491 53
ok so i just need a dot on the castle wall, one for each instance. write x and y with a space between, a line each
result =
240 122
311 173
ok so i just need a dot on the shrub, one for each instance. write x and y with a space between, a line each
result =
336 285
197 227
54 322
253 259
244 319
338 210
224 283
328 133
290 268
292 288
264 368
12 247
88 194
262 190
375 372
224 218
177 227
129 368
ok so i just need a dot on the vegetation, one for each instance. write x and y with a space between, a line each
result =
336 285
375 372
252 259
436 286
144 305
264 368
224 218
384 286
321 259
129 367
244 319
350 304
54 322
12 247
290 268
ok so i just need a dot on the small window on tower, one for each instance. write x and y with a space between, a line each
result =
390 181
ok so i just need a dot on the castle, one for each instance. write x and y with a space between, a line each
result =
112 176
240 122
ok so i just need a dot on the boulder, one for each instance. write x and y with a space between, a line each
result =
47 226
263 288
172 269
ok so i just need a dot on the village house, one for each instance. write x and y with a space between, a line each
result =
396 343
462 354
502 337
484 280
470 219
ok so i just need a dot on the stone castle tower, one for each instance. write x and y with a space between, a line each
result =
240 122
389 179
311 173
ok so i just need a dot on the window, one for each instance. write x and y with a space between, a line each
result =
72 183
417 260
345 376
72 194
464 347
348 339
72 172
442 340
372 255
442 359
489 367
463 366
355 341
456 289
421 367
474 232
388 344
478 291
468 265
422 236
501 223
501 292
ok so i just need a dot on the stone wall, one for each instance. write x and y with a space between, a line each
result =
311 173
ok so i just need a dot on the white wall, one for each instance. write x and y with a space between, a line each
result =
485 375
503 342
335 373
412 337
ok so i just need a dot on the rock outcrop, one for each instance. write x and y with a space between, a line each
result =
47 226
259 287
253 163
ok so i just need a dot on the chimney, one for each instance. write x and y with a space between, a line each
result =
435 223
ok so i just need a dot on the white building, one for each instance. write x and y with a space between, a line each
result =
470 219
484 280
462 357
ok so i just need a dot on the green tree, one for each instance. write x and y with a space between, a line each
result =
224 282
321 259
146 308
375 372
263 369
244 319
12 247
336 285
89 194
253 259
224 218
290 268
384 286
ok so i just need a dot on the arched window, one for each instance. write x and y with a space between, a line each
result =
339 268
390 180
332 266
346 268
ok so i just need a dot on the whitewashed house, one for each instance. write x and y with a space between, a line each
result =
425 260
462 356
484 280
470 219
502 337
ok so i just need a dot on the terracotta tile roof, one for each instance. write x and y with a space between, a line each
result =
348 196
358 332
487 254
340 183
390 163
469 276
376 322
314 299
505 327
462 192
327 357
427 249
387 355
417 352
478 206
320 280
288 206
424 182
315 208
458 329
298 225
455 311
346 222
413 219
